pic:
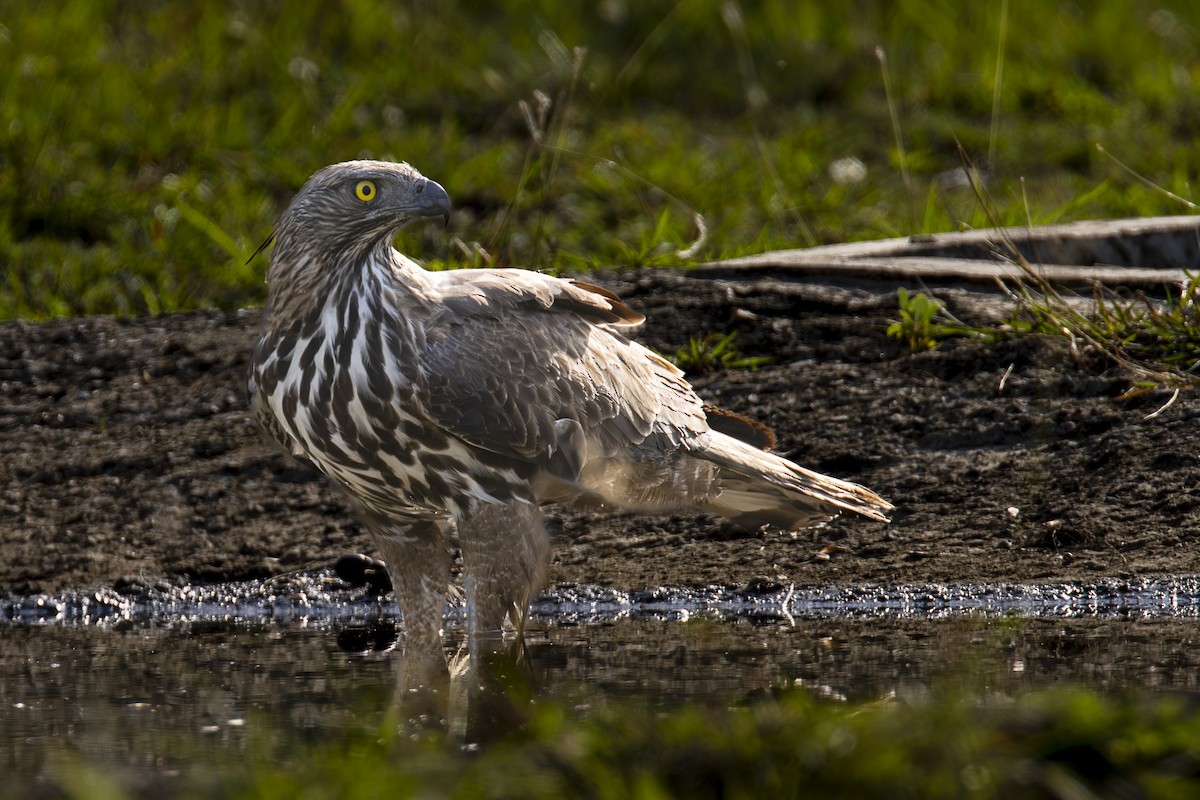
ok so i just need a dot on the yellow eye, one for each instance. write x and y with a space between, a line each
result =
365 191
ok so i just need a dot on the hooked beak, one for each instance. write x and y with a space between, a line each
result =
433 201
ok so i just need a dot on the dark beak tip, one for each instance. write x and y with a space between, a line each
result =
437 200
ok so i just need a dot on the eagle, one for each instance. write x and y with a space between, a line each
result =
452 406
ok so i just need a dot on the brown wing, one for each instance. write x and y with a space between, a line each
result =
517 356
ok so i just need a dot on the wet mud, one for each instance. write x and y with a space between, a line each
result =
128 461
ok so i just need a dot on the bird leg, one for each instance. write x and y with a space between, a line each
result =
419 564
506 553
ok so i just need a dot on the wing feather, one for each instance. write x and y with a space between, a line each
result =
468 292
513 354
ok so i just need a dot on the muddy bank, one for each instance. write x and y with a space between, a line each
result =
127 456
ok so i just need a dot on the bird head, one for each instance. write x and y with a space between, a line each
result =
345 213
358 203
345 216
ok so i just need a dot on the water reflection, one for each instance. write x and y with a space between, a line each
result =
148 695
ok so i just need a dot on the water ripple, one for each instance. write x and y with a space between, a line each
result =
321 595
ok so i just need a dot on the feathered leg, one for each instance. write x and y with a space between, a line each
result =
418 562
506 553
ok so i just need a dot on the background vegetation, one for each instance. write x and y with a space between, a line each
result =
1068 744
147 148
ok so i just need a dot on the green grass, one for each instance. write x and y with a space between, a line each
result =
1069 743
714 352
1156 341
923 324
147 148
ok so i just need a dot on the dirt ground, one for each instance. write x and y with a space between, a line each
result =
127 457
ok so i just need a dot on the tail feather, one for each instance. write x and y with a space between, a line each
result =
761 488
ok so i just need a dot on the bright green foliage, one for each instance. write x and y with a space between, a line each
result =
1156 340
146 148
1067 743
713 352
1171 337
916 326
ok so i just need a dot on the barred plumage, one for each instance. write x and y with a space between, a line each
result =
458 403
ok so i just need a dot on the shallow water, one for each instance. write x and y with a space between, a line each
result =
321 596
148 681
